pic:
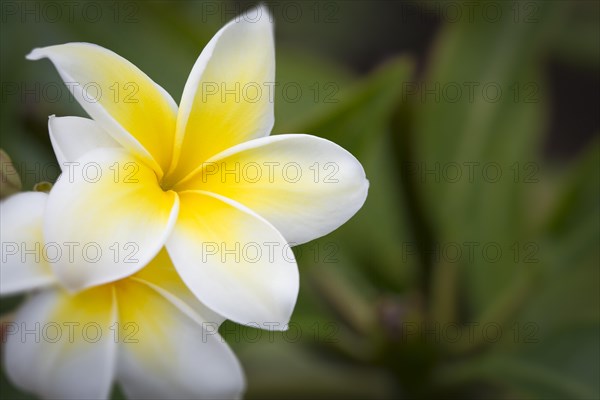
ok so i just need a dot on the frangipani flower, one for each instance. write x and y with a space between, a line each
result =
143 171
147 331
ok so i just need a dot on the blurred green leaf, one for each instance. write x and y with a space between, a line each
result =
560 374
475 163
563 311
364 114
11 183
523 292
306 85
268 380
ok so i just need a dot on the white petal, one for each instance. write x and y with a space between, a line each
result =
62 347
110 217
234 261
72 137
304 185
23 264
136 111
228 97
160 274
168 354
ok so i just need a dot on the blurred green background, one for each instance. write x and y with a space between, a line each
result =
472 271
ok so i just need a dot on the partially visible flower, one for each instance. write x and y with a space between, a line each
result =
147 331
145 172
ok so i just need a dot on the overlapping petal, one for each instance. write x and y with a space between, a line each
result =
110 217
72 137
62 346
234 261
228 97
304 185
161 354
160 274
132 108
23 263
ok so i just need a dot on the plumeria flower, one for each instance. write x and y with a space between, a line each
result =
147 331
205 180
